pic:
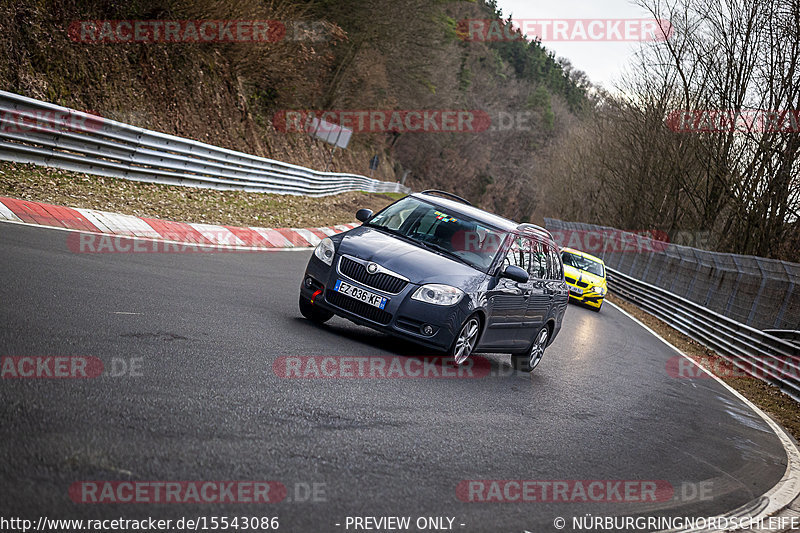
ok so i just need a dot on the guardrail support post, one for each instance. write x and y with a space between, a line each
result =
752 314
735 287
647 266
675 277
788 296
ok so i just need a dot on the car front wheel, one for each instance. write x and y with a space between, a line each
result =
315 314
466 340
527 362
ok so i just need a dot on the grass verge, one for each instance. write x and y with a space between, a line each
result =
182 204
772 401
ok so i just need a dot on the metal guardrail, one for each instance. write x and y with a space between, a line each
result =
720 300
790 335
32 131
754 352
760 292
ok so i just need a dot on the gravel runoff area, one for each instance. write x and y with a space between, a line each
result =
182 204
772 401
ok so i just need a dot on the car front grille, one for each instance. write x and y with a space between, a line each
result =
380 280
359 308
572 280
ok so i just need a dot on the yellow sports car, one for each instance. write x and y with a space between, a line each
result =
586 277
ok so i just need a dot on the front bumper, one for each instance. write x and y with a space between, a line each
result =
589 297
401 316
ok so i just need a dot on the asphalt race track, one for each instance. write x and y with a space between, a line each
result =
202 332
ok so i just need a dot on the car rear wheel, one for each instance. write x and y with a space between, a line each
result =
315 314
466 340
527 362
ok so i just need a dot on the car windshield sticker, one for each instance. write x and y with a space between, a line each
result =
444 217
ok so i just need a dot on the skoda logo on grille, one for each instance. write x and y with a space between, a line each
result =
372 268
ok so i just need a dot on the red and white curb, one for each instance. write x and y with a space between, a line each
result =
211 235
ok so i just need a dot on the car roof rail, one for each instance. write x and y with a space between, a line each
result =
535 229
448 194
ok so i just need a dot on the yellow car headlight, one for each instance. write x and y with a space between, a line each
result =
600 290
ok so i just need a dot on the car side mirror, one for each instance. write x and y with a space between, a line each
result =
515 273
364 214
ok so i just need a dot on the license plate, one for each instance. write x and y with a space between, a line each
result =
575 290
375 300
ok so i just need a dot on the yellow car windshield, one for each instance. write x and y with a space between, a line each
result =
582 263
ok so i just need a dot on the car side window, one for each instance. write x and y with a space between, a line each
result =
547 262
553 263
519 253
538 261
525 254
558 269
512 255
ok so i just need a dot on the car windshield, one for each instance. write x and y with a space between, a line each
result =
582 263
438 229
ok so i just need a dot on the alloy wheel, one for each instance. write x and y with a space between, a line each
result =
537 350
465 342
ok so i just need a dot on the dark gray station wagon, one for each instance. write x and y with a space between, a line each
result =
436 270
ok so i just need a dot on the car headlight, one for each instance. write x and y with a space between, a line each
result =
325 251
600 290
437 294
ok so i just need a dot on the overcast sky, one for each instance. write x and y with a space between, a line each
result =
603 61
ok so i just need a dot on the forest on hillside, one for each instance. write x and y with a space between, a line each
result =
365 54
557 145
